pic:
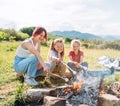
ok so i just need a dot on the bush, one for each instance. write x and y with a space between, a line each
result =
2 35
85 45
21 36
11 38
112 45
9 33
92 46
68 40
28 30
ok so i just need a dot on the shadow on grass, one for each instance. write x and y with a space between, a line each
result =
49 82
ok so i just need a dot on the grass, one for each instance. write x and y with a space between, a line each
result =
9 85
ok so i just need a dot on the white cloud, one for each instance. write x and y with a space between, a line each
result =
93 16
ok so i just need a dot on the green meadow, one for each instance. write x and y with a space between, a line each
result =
10 86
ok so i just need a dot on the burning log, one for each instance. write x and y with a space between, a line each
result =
82 92
71 90
68 95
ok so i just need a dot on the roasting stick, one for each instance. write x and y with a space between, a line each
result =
52 74
70 69
74 72
65 79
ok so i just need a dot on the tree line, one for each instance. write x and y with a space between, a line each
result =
26 32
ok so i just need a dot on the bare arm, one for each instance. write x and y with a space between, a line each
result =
30 47
38 48
81 60
52 56
79 64
70 57
59 57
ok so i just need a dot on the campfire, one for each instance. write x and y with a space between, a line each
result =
70 90
85 90
76 86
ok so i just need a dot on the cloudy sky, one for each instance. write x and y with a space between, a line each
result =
101 17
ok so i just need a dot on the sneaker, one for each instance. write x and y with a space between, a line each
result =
35 82
30 81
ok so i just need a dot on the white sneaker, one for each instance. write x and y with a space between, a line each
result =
30 81
35 82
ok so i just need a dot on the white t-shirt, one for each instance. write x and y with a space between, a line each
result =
54 54
21 52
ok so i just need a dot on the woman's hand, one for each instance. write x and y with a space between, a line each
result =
46 69
39 67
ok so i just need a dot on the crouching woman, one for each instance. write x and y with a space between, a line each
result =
33 65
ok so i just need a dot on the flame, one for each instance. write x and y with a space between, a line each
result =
102 91
67 90
77 85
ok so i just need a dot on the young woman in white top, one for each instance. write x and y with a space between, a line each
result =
28 60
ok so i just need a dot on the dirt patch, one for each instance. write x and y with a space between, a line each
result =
7 90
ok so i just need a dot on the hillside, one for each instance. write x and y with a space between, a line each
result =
111 37
86 36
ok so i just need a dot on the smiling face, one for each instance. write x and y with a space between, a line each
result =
41 37
59 47
39 34
75 46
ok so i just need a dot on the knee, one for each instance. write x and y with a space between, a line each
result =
34 59
61 65
48 65
69 63
85 64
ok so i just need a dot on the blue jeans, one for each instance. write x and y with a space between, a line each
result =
72 66
28 66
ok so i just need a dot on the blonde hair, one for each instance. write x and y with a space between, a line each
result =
75 41
79 43
53 43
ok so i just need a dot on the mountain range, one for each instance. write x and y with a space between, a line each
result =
86 36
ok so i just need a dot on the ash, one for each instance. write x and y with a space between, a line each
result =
87 94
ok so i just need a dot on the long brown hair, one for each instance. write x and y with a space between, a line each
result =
39 30
52 46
